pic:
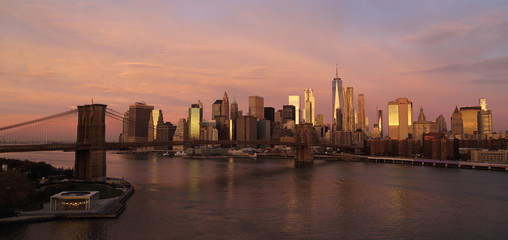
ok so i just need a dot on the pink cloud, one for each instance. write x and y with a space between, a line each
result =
438 34
139 64
34 74
160 54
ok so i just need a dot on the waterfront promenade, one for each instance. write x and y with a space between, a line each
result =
414 161
104 208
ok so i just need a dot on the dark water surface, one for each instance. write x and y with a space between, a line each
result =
180 198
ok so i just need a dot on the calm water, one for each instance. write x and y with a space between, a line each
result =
247 199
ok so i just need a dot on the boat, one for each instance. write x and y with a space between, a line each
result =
180 154
241 153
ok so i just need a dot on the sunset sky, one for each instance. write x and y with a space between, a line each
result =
58 54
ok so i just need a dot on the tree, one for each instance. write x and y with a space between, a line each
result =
15 189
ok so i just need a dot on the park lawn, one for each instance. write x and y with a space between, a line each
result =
105 191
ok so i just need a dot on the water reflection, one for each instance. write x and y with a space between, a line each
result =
231 181
79 230
194 180
300 201
398 205
154 169
179 198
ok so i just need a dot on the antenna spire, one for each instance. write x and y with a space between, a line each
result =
336 70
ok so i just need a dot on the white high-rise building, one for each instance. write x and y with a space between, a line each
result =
295 101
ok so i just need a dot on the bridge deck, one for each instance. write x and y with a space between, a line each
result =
125 145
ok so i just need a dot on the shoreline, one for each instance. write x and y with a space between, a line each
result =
415 162
105 208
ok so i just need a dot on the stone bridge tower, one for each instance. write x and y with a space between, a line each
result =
306 134
90 164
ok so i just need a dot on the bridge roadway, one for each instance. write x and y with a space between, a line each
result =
126 145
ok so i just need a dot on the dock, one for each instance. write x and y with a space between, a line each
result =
414 161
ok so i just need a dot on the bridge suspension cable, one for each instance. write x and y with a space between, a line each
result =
60 127
115 131
40 119
114 111
113 114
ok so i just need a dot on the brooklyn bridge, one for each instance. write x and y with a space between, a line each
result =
91 145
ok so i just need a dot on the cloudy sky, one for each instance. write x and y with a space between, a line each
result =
439 54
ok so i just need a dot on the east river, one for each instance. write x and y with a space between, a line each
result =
179 198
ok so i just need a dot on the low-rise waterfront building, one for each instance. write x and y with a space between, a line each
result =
484 155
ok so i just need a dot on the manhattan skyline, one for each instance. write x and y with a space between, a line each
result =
437 54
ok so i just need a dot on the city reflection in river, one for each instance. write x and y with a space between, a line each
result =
178 198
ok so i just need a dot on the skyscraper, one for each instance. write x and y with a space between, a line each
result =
400 118
256 107
220 113
194 121
457 126
470 119
320 119
484 119
156 121
288 113
380 122
246 129
483 104
309 114
348 111
295 101
234 110
216 109
337 98
181 132
278 116
263 130
139 122
225 106
361 113
441 122
125 127
423 126
165 133
270 114
485 122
